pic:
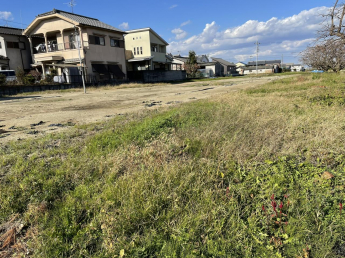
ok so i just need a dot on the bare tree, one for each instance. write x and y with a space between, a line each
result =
333 25
328 55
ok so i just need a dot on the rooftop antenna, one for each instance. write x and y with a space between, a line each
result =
71 4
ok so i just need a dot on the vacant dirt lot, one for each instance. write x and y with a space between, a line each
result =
23 116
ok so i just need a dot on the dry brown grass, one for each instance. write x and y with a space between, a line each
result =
282 123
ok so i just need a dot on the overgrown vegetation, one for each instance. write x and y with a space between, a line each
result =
257 173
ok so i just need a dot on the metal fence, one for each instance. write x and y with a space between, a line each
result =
53 47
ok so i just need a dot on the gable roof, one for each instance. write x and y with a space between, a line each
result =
208 64
80 19
148 29
181 58
11 31
222 61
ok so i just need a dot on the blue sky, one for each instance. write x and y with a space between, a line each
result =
226 29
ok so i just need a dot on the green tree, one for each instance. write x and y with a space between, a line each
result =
191 65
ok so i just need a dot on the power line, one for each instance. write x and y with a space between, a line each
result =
13 21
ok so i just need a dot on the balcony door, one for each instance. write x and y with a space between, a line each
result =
72 41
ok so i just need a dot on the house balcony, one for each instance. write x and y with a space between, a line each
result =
160 57
57 45
53 51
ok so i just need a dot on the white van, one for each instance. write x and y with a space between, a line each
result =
10 75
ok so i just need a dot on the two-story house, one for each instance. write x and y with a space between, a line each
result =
14 49
61 40
146 50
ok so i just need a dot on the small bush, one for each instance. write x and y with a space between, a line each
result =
20 74
29 79
36 74
2 79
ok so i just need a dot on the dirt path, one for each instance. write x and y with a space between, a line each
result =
37 114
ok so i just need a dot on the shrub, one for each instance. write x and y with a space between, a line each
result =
36 74
2 79
29 79
20 74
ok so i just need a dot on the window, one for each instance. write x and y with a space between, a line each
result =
141 50
0 45
117 43
138 51
154 48
134 52
12 44
133 38
96 40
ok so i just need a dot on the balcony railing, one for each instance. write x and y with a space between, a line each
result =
53 47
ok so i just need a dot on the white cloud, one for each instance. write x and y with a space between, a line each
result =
185 23
179 33
277 36
6 15
124 26
173 6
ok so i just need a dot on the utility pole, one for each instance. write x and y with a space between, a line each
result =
81 65
257 54
282 61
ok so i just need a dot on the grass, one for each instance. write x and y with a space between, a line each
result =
190 181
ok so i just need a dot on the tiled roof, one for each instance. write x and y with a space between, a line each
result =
264 62
82 20
10 31
253 68
222 61
207 64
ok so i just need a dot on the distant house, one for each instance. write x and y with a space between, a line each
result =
211 69
252 70
57 38
297 68
240 64
266 65
14 49
146 50
202 59
178 62
228 68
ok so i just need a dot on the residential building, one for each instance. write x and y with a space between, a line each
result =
228 68
14 49
211 69
146 50
178 62
61 39
252 70
202 59
297 68
265 63
240 64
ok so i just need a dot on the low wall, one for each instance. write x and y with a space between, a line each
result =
13 90
156 76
